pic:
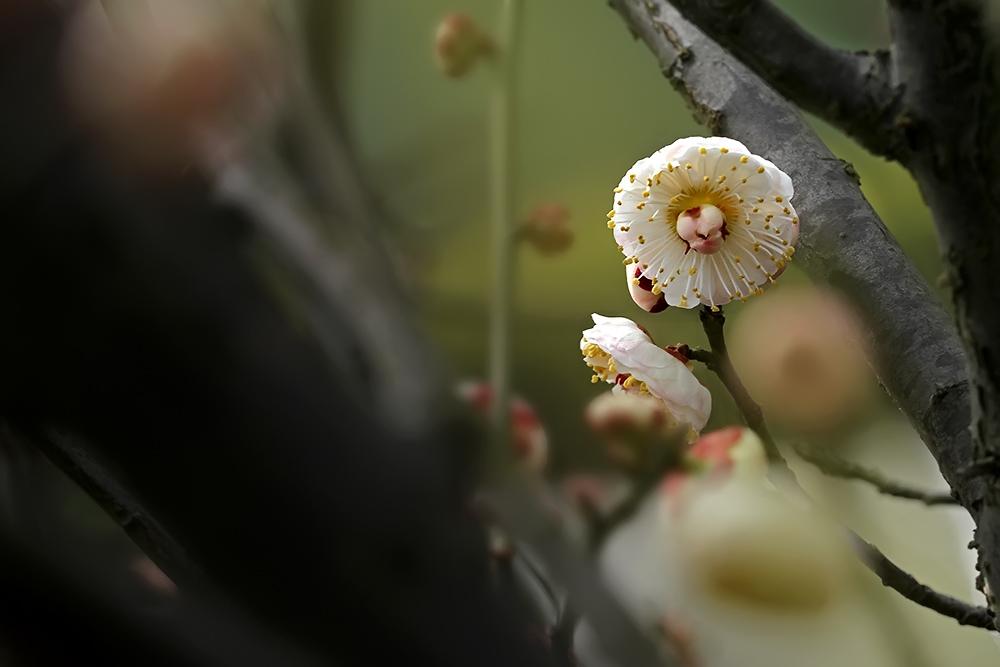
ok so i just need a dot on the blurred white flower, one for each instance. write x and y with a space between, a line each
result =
174 82
529 441
705 221
800 355
622 354
749 544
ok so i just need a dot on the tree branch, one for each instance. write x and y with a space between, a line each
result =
853 91
903 583
945 58
142 528
838 467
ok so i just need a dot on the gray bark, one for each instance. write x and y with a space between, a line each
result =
853 91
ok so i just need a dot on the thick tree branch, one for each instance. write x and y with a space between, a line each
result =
837 467
916 350
903 583
853 91
946 59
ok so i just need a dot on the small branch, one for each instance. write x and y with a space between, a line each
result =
134 519
851 90
718 360
602 525
892 576
835 466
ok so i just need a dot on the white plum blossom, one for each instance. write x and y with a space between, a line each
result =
705 221
622 354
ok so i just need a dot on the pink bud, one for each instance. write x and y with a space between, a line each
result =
529 442
640 288
547 228
734 449
459 44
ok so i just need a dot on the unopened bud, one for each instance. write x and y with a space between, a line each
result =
529 442
735 450
637 428
459 44
640 288
547 228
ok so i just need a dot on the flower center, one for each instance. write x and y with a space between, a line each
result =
703 228
600 362
603 365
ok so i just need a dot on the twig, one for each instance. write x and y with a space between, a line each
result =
892 576
837 467
75 461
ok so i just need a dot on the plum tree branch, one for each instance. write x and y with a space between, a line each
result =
916 350
892 576
835 466
952 97
854 91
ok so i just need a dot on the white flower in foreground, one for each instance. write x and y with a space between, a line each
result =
622 354
705 220
749 544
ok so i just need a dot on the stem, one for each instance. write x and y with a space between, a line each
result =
835 466
503 145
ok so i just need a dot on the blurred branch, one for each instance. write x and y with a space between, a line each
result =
837 467
853 91
141 527
903 583
59 609
529 516
916 350
643 483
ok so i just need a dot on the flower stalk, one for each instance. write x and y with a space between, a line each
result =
503 133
